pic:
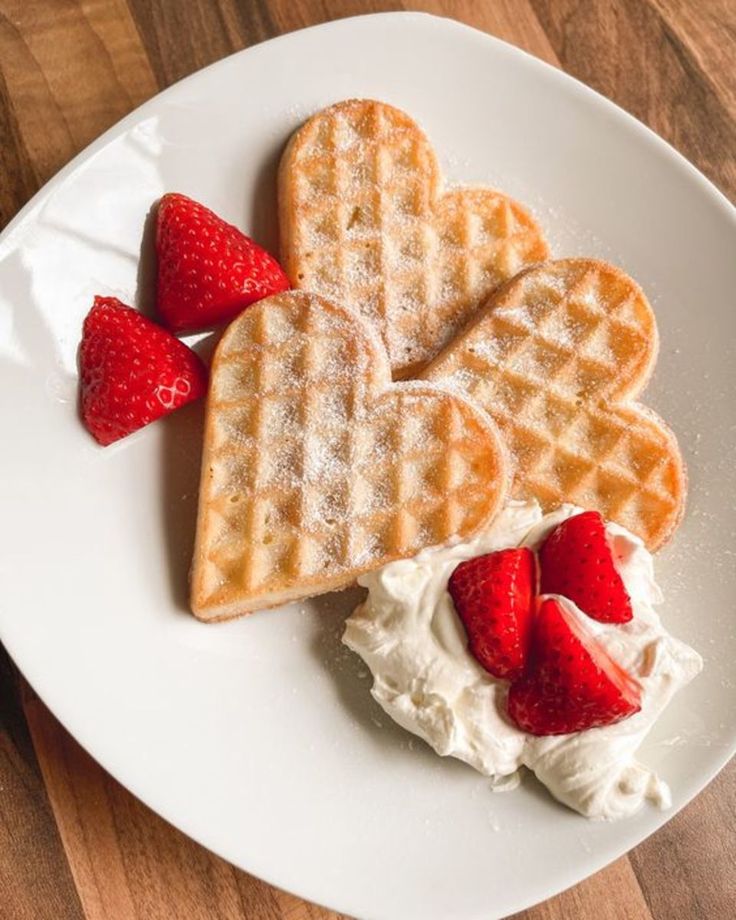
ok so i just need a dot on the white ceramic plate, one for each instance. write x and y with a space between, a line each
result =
258 737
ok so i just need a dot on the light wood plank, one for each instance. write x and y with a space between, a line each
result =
688 868
71 70
128 863
18 180
611 894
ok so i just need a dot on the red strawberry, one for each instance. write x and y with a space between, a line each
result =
576 561
132 371
493 596
571 683
208 271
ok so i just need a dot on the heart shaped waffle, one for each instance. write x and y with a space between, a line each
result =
317 467
363 222
556 357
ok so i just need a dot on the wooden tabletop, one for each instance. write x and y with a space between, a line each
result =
73 843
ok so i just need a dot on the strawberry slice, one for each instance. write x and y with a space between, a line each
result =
132 371
208 271
571 683
494 596
576 561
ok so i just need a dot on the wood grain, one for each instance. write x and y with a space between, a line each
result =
35 880
683 98
127 862
628 904
73 842
687 868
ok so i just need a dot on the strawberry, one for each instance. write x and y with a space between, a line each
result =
132 371
208 271
576 561
493 596
571 683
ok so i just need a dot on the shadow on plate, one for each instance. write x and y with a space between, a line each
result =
352 680
261 207
145 292
180 462
183 429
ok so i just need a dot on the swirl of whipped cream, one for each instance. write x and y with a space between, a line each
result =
409 635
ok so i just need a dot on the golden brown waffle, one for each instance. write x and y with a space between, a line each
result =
556 356
317 468
364 223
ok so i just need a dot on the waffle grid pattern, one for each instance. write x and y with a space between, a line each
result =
363 224
552 360
314 472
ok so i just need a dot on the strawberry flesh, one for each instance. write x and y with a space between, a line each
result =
493 596
208 271
571 683
132 371
576 562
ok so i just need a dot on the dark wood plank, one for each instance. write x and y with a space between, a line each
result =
512 20
592 898
19 180
181 38
659 68
35 881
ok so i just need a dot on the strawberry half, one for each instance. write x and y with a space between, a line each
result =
494 597
132 371
571 682
208 271
576 561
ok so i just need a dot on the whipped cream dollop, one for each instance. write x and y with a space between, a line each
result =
424 677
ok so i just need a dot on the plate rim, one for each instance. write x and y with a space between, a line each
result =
549 72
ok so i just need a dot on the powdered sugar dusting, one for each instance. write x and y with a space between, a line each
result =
370 234
322 479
